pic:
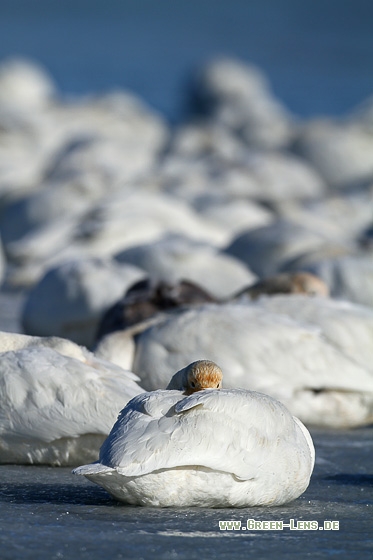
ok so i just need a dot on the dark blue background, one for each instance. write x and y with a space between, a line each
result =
318 54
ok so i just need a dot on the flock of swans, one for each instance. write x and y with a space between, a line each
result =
173 348
289 360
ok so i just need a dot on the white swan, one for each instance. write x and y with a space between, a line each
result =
213 448
318 365
57 400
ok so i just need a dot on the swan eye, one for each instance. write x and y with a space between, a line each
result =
192 384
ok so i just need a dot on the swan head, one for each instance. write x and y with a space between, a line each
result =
307 283
286 283
199 375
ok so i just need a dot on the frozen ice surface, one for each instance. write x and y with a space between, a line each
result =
49 513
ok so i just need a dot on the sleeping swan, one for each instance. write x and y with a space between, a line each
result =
57 400
210 448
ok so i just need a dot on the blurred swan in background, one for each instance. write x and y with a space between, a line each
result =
286 283
58 401
312 354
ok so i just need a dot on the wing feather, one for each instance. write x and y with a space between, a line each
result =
45 395
235 431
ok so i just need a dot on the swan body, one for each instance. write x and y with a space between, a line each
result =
15 341
56 407
347 326
227 448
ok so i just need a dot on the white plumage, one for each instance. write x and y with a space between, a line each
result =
312 361
228 448
348 326
57 400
